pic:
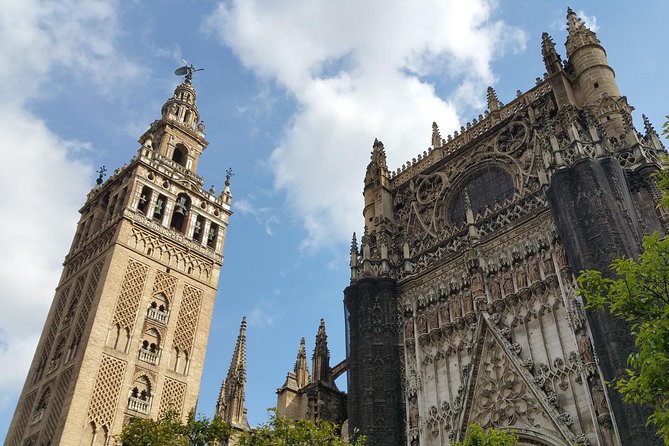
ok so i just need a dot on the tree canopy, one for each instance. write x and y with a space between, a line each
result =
280 431
169 430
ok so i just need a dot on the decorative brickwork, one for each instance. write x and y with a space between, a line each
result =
173 396
165 284
24 415
187 320
104 400
56 405
93 280
130 295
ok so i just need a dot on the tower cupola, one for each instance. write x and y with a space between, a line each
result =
593 80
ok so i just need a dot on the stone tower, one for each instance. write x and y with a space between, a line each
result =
230 405
315 397
127 330
462 305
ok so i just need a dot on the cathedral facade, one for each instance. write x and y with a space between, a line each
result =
462 306
127 330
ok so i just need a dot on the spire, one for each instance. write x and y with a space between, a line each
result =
493 103
552 59
230 405
436 136
226 195
178 136
578 34
321 358
650 130
301 368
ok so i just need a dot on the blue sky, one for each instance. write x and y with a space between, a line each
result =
293 95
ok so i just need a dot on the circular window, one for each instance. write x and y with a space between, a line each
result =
484 188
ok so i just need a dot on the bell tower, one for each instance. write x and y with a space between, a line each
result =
127 330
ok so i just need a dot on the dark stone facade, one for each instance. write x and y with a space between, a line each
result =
595 216
376 404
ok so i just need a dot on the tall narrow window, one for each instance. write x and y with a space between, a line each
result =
180 214
159 208
180 154
144 199
199 228
212 235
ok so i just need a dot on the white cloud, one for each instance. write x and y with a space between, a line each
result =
589 20
357 71
42 175
264 216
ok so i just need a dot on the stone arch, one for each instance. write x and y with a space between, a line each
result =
486 184
180 152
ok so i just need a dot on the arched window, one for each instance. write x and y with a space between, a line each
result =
57 355
144 199
180 213
199 228
42 405
212 235
150 349
485 187
159 208
140 395
180 154
159 308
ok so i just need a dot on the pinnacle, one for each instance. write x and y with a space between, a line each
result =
493 102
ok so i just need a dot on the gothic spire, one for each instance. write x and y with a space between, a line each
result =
301 368
321 357
377 169
493 102
230 405
578 34
552 59
436 136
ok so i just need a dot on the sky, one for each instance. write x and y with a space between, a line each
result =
293 94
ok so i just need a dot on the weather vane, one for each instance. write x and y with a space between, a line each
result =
228 174
102 171
187 70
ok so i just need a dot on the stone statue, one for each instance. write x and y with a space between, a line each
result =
413 413
495 290
433 319
549 267
535 275
507 281
422 324
521 275
585 348
477 284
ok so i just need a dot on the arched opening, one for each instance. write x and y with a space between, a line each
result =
40 409
180 154
159 208
144 199
484 188
184 363
159 308
212 236
140 395
150 348
180 214
57 355
72 350
198 228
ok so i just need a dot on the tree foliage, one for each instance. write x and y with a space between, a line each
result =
639 294
169 430
280 431
476 436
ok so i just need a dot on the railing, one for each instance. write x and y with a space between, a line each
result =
149 356
139 405
158 315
